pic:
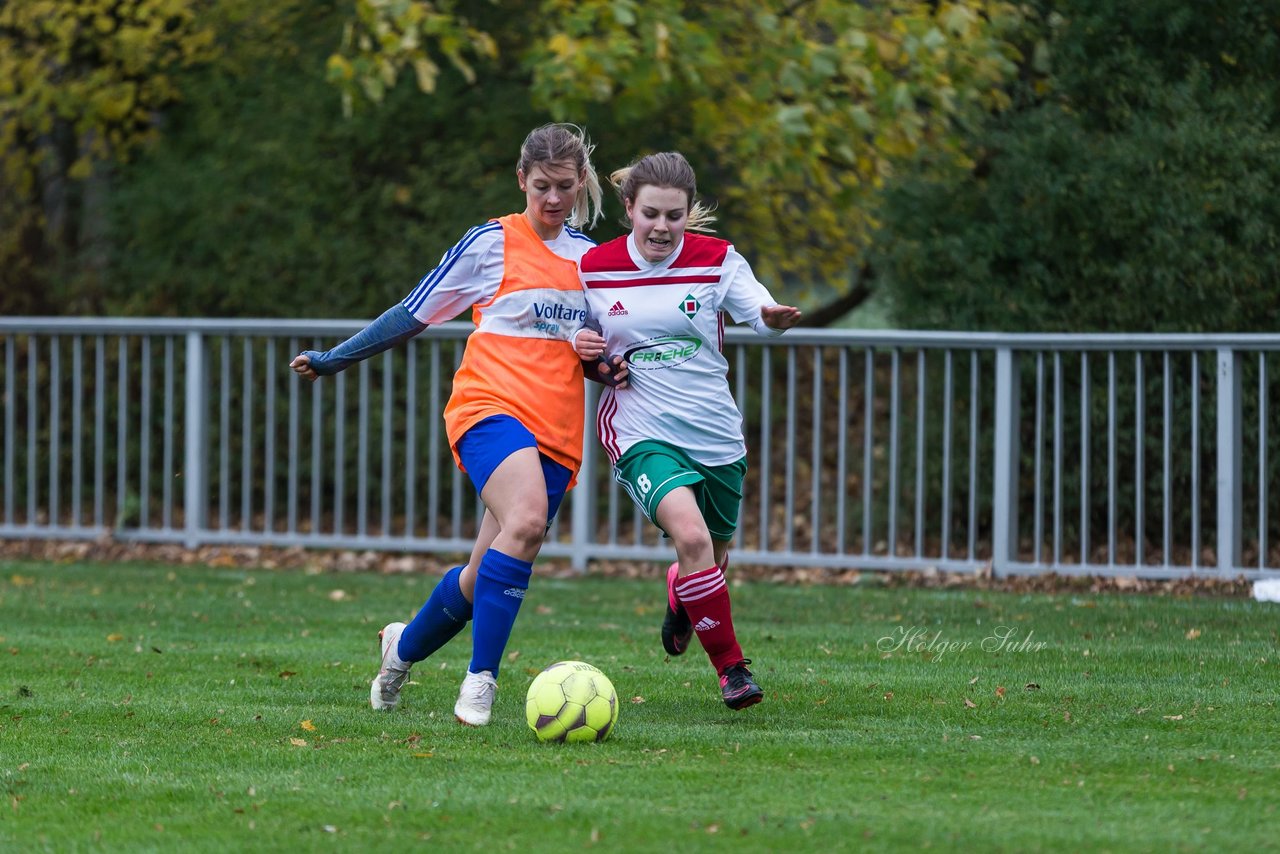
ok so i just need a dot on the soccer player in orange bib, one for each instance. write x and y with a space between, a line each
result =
674 434
514 418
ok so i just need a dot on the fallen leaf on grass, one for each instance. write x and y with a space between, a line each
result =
308 726
1193 634
1173 717
637 700
114 637
970 704
973 681
285 674
1000 691
298 742
337 595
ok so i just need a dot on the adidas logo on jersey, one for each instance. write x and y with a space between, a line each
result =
705 624
617 310
514 592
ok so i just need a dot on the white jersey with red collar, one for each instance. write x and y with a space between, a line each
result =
665 320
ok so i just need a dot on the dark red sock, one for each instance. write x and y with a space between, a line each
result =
705 597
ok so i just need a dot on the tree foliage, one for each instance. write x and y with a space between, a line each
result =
81 84
795 114
1139 194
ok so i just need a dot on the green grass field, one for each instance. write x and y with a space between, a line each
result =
189 708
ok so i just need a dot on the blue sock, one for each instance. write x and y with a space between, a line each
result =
442 617
500 586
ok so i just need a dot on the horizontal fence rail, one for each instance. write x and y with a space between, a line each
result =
1142 455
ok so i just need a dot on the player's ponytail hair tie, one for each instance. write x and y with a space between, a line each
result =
665 169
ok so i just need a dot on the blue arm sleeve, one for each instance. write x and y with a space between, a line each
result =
394 325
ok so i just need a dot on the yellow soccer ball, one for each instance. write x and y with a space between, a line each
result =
571 701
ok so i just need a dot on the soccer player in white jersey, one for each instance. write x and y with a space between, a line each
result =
520 442
675 435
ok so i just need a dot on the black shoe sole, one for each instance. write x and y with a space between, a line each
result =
745 700
677 631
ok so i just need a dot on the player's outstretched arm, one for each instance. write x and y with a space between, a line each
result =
394 325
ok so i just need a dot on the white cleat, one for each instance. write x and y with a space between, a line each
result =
475 698
384 693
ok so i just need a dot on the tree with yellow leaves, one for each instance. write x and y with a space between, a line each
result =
795 113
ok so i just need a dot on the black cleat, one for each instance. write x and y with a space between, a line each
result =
738 688
677 628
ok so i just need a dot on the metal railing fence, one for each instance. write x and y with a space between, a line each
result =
1144 455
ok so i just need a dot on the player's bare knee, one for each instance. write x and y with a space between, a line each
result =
527 529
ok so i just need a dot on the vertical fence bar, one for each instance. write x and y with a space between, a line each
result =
815 463
269 442
868 430
1195 460
1139 471
1037 535
32 361
1167 535
1230 487
1057 458
842 448
920 396
291 487
246 435
362 453
317 450
1111 458
1263 551
224 437
122 430
55 424
99 430
788 525
740 362
77 411
387 393
766 427
944 550
1084 458
144 480
895 360
166 456
973 454
10 365
1004 496
339 452
195 501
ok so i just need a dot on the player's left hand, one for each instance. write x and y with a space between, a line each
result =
780 316
588 344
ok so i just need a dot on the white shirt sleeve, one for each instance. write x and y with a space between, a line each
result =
469 273
744 295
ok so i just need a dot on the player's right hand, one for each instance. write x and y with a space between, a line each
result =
301 365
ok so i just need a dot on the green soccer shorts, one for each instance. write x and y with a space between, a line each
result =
650 469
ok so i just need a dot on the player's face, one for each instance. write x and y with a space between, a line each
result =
550 191
658 217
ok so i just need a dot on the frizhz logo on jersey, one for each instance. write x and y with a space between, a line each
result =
658 353
617 309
